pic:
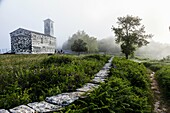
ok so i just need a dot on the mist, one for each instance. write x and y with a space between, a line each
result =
108 45
0 2
154 50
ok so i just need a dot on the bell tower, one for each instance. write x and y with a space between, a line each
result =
48 27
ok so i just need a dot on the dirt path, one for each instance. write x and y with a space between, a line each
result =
159 104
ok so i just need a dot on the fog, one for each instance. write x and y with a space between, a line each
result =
96 17
154 50
109 45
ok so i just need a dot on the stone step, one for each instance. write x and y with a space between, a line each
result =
152 75
107 66
98 80
64 98
4 111
154 88
22 109
154 83
88 87
102 73
157 92
110 60
44 107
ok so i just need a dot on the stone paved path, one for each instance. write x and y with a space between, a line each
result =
159 105
57 102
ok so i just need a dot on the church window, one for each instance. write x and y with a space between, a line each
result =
42 40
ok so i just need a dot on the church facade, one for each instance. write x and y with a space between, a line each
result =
26 41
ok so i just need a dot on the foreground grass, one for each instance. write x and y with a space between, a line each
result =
29 78
162 69
126 91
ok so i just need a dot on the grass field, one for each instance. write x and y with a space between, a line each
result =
29 78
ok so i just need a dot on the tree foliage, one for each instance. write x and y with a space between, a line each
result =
91 41
79 46
130 34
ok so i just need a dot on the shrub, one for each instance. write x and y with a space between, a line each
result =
28 82
163 77
127 91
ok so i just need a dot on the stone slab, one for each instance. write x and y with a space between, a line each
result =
64 98
110 60
98 80
44 107
107 65
102 73
88 87
4 111
22 109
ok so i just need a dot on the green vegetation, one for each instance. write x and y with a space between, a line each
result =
109 46
30 78
130 34
162 69
106 45
126 91
90 41
79 46
163 77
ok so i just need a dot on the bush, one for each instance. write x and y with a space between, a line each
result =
127 91
153 66
33 81
163 77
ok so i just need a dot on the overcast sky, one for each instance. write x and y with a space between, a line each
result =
95 17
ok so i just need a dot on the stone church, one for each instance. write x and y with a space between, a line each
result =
26 41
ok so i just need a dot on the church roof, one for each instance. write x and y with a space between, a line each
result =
20 29
49 20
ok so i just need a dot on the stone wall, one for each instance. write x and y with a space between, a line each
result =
21 41
25 41
43 43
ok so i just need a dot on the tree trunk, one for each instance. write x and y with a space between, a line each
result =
126 56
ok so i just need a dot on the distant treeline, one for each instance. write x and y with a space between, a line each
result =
154 50
106 45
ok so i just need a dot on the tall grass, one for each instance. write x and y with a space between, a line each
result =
126 91
29 78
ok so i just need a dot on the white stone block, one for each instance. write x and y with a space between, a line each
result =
22 109
44 106
88 87
102 73
98 80
64 98
3 111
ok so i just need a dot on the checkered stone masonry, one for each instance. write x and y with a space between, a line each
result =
25 41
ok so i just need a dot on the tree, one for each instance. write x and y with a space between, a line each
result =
79 46
130 34
90 41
